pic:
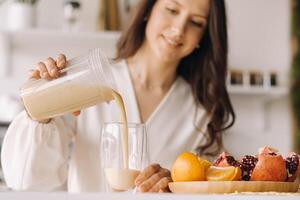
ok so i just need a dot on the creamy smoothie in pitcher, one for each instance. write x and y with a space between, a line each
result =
62 99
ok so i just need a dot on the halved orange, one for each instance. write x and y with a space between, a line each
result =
224 173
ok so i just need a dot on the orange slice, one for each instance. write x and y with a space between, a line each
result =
224 173
205 163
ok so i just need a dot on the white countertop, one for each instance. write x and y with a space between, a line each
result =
115 196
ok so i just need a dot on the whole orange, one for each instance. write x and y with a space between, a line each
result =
187 167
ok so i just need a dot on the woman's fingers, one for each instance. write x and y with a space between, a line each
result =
146 173
61 61
162 185
157 181
164 190
43 71
51 67
34 74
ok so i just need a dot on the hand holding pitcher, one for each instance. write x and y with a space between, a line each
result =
50 69
57 90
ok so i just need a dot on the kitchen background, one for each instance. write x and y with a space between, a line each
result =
259 59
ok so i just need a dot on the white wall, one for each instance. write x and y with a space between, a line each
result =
259 33
258 38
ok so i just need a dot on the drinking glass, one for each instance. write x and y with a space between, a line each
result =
118 173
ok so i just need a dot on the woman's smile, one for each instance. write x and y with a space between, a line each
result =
171 43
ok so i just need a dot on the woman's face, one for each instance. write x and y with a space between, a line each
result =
175 27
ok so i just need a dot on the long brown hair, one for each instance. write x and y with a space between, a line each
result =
205 69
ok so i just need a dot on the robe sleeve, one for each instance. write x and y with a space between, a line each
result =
35 155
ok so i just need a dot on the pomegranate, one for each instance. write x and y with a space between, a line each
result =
292 166
270 166
226 160
247 165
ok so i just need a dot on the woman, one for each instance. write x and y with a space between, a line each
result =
170 70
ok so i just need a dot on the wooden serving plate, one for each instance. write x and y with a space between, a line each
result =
221 187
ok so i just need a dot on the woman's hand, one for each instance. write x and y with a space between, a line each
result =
50 69
153 178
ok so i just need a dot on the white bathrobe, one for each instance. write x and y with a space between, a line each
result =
37 156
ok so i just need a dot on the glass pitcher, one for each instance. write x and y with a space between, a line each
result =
87 80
